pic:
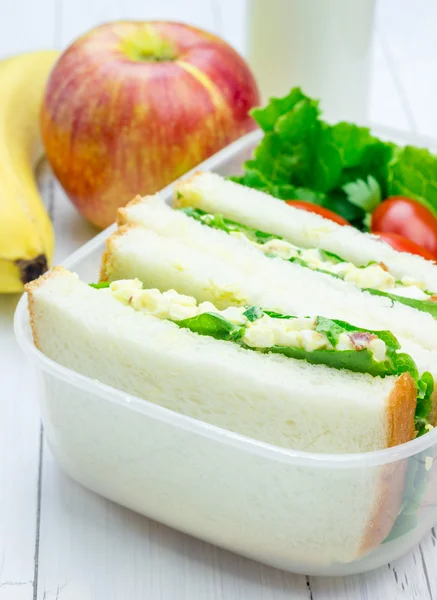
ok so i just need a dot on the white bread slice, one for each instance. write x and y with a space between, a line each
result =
212 193
271 398
201 249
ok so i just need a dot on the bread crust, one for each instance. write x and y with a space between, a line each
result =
122 218
31 288
180 184
401 409
110 245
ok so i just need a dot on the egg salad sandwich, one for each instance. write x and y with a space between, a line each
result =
277 229
307 383
301 383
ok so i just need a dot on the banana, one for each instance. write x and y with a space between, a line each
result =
26 233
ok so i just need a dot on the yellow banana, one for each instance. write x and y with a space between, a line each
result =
26 233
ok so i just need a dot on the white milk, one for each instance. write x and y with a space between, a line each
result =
323 46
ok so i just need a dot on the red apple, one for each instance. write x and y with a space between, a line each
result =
131 106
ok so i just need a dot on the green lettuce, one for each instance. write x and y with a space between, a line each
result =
100 285
360 361
213 325
342 167
423 305
413 173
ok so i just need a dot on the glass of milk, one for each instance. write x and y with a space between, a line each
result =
323 46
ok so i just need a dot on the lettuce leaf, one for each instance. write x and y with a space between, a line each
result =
100 285
303 157
291 126
213 325
413 173
330 328
359 361
253 313
423 305
424 402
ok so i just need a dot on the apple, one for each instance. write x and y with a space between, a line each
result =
131 106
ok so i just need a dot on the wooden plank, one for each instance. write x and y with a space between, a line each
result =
19 444
405 579
426 560
19 414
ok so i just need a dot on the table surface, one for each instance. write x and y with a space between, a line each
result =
59 541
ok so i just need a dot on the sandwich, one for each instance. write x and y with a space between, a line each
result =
276 229
307 383
300 383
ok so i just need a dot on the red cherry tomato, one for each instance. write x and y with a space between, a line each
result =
400 243
407 218
320 210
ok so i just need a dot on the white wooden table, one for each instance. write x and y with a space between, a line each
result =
59 541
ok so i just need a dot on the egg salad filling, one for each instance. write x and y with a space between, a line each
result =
317 339
373 277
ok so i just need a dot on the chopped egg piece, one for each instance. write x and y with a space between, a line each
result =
178 312
344 342
260 336
125 289
373 276
313 340
378 349
149 300
341 269
206 307
313 257
299 323
292 339
180 298
281 248
411 281
234 314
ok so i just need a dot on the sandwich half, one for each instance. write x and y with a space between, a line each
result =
220 367
276 229
344 252
305 383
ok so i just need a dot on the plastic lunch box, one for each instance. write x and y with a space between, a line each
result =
282 507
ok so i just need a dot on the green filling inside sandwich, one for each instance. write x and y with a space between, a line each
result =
374 278
317 340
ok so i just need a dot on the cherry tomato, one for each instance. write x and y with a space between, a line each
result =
320 210
400 243
407 218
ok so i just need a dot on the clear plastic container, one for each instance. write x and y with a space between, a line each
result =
308 513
